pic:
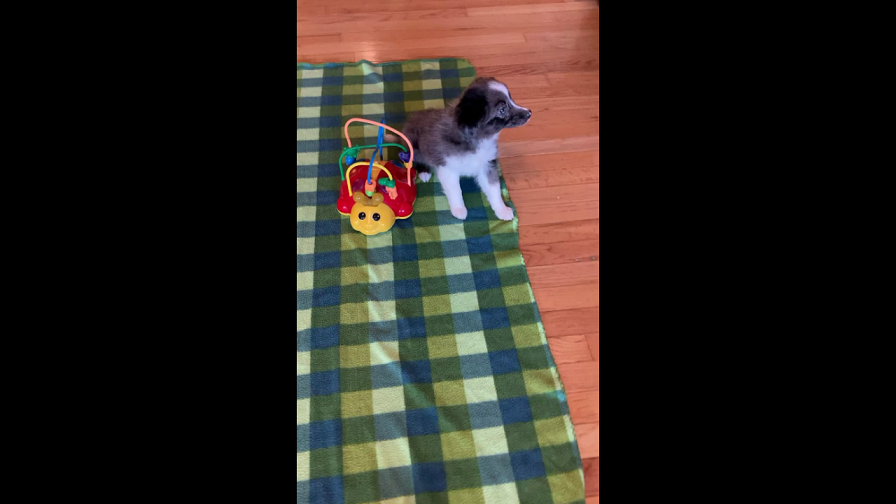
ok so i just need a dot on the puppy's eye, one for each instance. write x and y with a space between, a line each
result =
502 111
362 215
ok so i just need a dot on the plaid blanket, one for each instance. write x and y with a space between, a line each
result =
423 372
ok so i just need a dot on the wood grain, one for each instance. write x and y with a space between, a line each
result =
592 479
570 322
584 405
531 9
561 211
362 6
559 233
576 60
594 345
568 298
553 178
555 129
568 349
511 166
561 253
580 376
402 34
552 195
546 102
322 39
587 112
547 146
565 275
444 19
589 439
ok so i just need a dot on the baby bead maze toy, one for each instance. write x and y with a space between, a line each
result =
372 202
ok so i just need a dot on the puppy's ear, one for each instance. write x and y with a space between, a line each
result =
472 108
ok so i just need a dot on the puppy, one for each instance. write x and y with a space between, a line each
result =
462 141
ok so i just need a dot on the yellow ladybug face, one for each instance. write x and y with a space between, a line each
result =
370 216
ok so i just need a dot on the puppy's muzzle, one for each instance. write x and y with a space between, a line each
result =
521 117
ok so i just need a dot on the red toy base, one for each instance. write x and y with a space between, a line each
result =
402 205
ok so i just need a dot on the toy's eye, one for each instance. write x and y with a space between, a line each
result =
362 215
376 216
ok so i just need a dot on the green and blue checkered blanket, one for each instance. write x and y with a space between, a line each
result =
423 372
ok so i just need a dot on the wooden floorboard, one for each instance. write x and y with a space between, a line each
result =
565 275
571 322
592 479
570 252
548 53
566 232
585 405
569 349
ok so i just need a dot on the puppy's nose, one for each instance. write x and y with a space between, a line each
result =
528 114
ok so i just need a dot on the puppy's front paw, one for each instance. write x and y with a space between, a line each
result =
425 177
459 212
505 213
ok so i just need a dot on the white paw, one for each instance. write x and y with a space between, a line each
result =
424 177
505 213
459 212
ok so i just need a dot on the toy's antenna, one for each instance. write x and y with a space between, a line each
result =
379 147
380 140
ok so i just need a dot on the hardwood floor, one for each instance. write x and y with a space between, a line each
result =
548 53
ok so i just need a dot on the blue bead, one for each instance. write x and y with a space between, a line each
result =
349 160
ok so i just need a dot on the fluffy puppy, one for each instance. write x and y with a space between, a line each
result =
462 141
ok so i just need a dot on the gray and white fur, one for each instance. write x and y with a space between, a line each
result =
462 141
